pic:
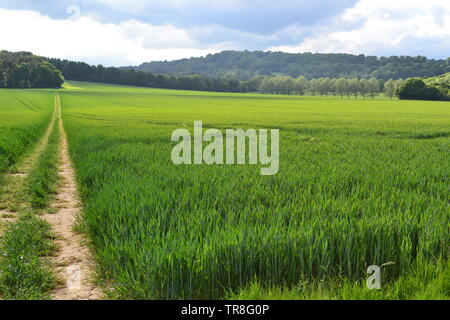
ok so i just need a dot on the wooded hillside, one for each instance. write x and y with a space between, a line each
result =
243 65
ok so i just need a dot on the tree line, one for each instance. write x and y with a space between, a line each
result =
25 70
327 86
435 88
245 65
81 71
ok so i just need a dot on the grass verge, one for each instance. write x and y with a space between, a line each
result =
43 178
24 274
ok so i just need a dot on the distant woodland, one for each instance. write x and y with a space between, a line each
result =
244 65
81 71
25 70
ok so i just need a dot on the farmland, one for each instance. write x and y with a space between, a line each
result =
361 182
24 114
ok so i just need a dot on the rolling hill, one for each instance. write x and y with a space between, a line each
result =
243 65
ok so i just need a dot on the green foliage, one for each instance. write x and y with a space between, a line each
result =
322 86
24 70
277 81
244 65
442 83
361 83
417 89
83 72
412 89
390 87
358 185
24 275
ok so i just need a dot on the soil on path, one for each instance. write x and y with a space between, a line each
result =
73 263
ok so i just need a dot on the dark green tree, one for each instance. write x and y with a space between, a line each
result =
417 89
25 70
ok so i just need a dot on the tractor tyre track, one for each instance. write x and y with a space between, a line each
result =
73 263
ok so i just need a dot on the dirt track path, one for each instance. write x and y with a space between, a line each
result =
73 263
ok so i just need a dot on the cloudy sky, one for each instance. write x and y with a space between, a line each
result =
125 32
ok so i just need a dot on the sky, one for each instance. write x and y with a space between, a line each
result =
125 32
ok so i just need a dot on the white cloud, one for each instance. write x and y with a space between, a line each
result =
384 27
83 38
378 27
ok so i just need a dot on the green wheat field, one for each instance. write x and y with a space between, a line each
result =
361 182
